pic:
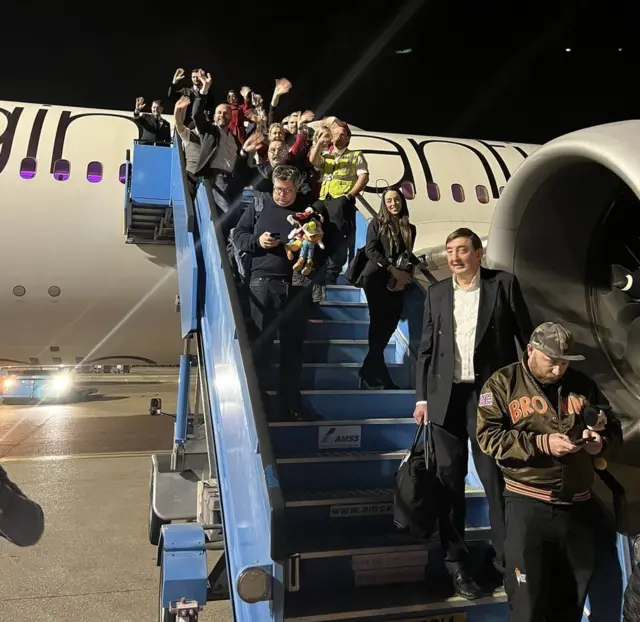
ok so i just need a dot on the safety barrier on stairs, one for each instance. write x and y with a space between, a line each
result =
253 505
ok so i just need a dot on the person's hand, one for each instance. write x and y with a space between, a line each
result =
594 446
182 103
283 86
178 75
560 445
402 279
266 241
421 414
140 103
205 81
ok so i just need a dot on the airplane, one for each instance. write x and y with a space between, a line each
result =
73 291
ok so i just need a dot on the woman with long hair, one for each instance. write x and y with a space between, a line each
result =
390 240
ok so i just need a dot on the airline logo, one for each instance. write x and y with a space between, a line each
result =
339 437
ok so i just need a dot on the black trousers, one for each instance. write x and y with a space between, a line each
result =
342 212
277 306
550 559
385 310
452 455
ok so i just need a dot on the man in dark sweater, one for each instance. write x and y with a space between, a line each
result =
280 299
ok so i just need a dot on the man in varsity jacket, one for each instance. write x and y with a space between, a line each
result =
530 420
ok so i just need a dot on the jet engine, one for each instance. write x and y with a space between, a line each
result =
568 225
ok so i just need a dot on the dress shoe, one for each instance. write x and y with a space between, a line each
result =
465 586
298 413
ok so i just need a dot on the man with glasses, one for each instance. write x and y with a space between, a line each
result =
280 299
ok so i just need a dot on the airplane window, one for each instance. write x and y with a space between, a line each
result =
19 291
500 189
61 170
482 194
28 168
54 291
433 192
122 173
458 193
94 172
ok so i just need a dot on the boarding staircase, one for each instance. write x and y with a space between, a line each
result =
306 506
148 213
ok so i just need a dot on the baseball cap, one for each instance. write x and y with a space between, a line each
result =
554 340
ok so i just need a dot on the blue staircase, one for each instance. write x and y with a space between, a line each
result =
306 506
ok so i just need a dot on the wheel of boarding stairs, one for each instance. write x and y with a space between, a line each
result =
163 614
155 522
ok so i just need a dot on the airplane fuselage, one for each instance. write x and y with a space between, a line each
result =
73 290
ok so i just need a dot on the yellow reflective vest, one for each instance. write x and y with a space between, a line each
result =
340 175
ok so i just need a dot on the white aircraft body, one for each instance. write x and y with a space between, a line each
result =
73 290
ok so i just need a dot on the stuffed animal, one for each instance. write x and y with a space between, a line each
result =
312 237
297 234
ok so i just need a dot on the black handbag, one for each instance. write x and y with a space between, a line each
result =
353 273
418 489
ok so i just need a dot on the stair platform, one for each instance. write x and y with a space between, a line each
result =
344 512
337 351
388 602
341 376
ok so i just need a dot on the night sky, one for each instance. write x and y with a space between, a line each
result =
472 71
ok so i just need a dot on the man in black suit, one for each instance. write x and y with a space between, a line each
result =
154 130
471 324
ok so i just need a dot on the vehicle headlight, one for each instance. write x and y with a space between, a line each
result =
62 382
7 383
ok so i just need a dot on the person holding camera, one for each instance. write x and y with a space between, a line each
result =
21 519
533 420
385 278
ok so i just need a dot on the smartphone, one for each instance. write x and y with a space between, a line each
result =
275 236
582 441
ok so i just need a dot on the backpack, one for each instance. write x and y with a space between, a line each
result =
241 260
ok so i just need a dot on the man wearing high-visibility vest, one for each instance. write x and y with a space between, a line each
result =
345 174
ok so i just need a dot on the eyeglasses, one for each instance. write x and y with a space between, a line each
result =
283 191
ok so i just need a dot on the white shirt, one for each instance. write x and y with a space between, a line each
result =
466 303
465 319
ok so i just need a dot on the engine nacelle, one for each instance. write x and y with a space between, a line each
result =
568 225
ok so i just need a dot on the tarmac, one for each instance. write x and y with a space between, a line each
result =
88 465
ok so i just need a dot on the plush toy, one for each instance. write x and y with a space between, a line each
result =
313 233
305 236
296 235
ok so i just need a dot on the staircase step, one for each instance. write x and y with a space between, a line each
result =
391 602
367 434
339 351
344 512
341 311
342 376
332 470
338 329
340 405
342 562
343 293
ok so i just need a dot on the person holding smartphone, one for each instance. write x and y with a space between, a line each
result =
279 298
530 420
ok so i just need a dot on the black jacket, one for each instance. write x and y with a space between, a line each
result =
503 318
152 129
380 253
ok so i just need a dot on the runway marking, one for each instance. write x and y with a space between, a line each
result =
113 454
